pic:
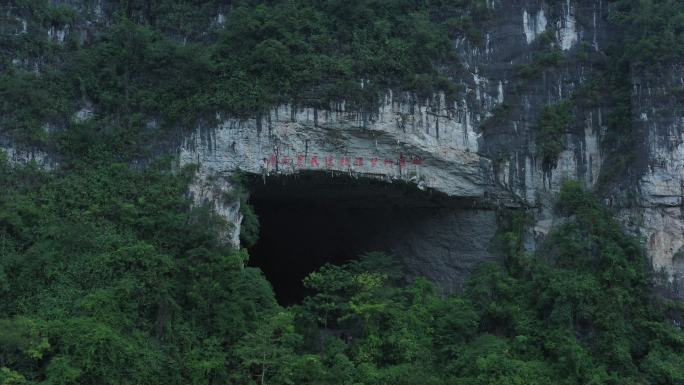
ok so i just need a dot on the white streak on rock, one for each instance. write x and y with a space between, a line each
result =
534 26
567 28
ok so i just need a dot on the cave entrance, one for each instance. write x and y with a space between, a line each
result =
310 219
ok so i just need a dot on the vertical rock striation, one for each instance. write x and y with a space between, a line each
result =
658 116
480 144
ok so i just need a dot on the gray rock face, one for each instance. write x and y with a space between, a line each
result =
316 216
480 146
440 145
442 244
21 155
658 114
402 142
433 147
513 41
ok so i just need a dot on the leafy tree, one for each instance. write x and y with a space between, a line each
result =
267 352
553 122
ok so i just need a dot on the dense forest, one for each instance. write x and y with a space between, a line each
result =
110 275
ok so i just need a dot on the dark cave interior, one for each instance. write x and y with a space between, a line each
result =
310 219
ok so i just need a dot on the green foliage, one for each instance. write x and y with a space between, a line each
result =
165 62
613 87
28 102
540 61
654 30
580 313
553 123
267 353
121 74
249 228
109 276
9 377
499 116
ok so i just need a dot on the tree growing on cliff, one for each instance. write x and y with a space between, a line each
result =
553 122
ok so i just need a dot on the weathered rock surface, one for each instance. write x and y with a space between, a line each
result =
434 149
443 145
431 146
22 155
658 115
313 218
481 145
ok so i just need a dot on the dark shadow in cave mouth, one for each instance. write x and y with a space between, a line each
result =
310 219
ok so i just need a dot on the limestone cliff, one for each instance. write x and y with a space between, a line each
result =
480 145
458 147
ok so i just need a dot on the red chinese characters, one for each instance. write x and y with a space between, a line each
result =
330 161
